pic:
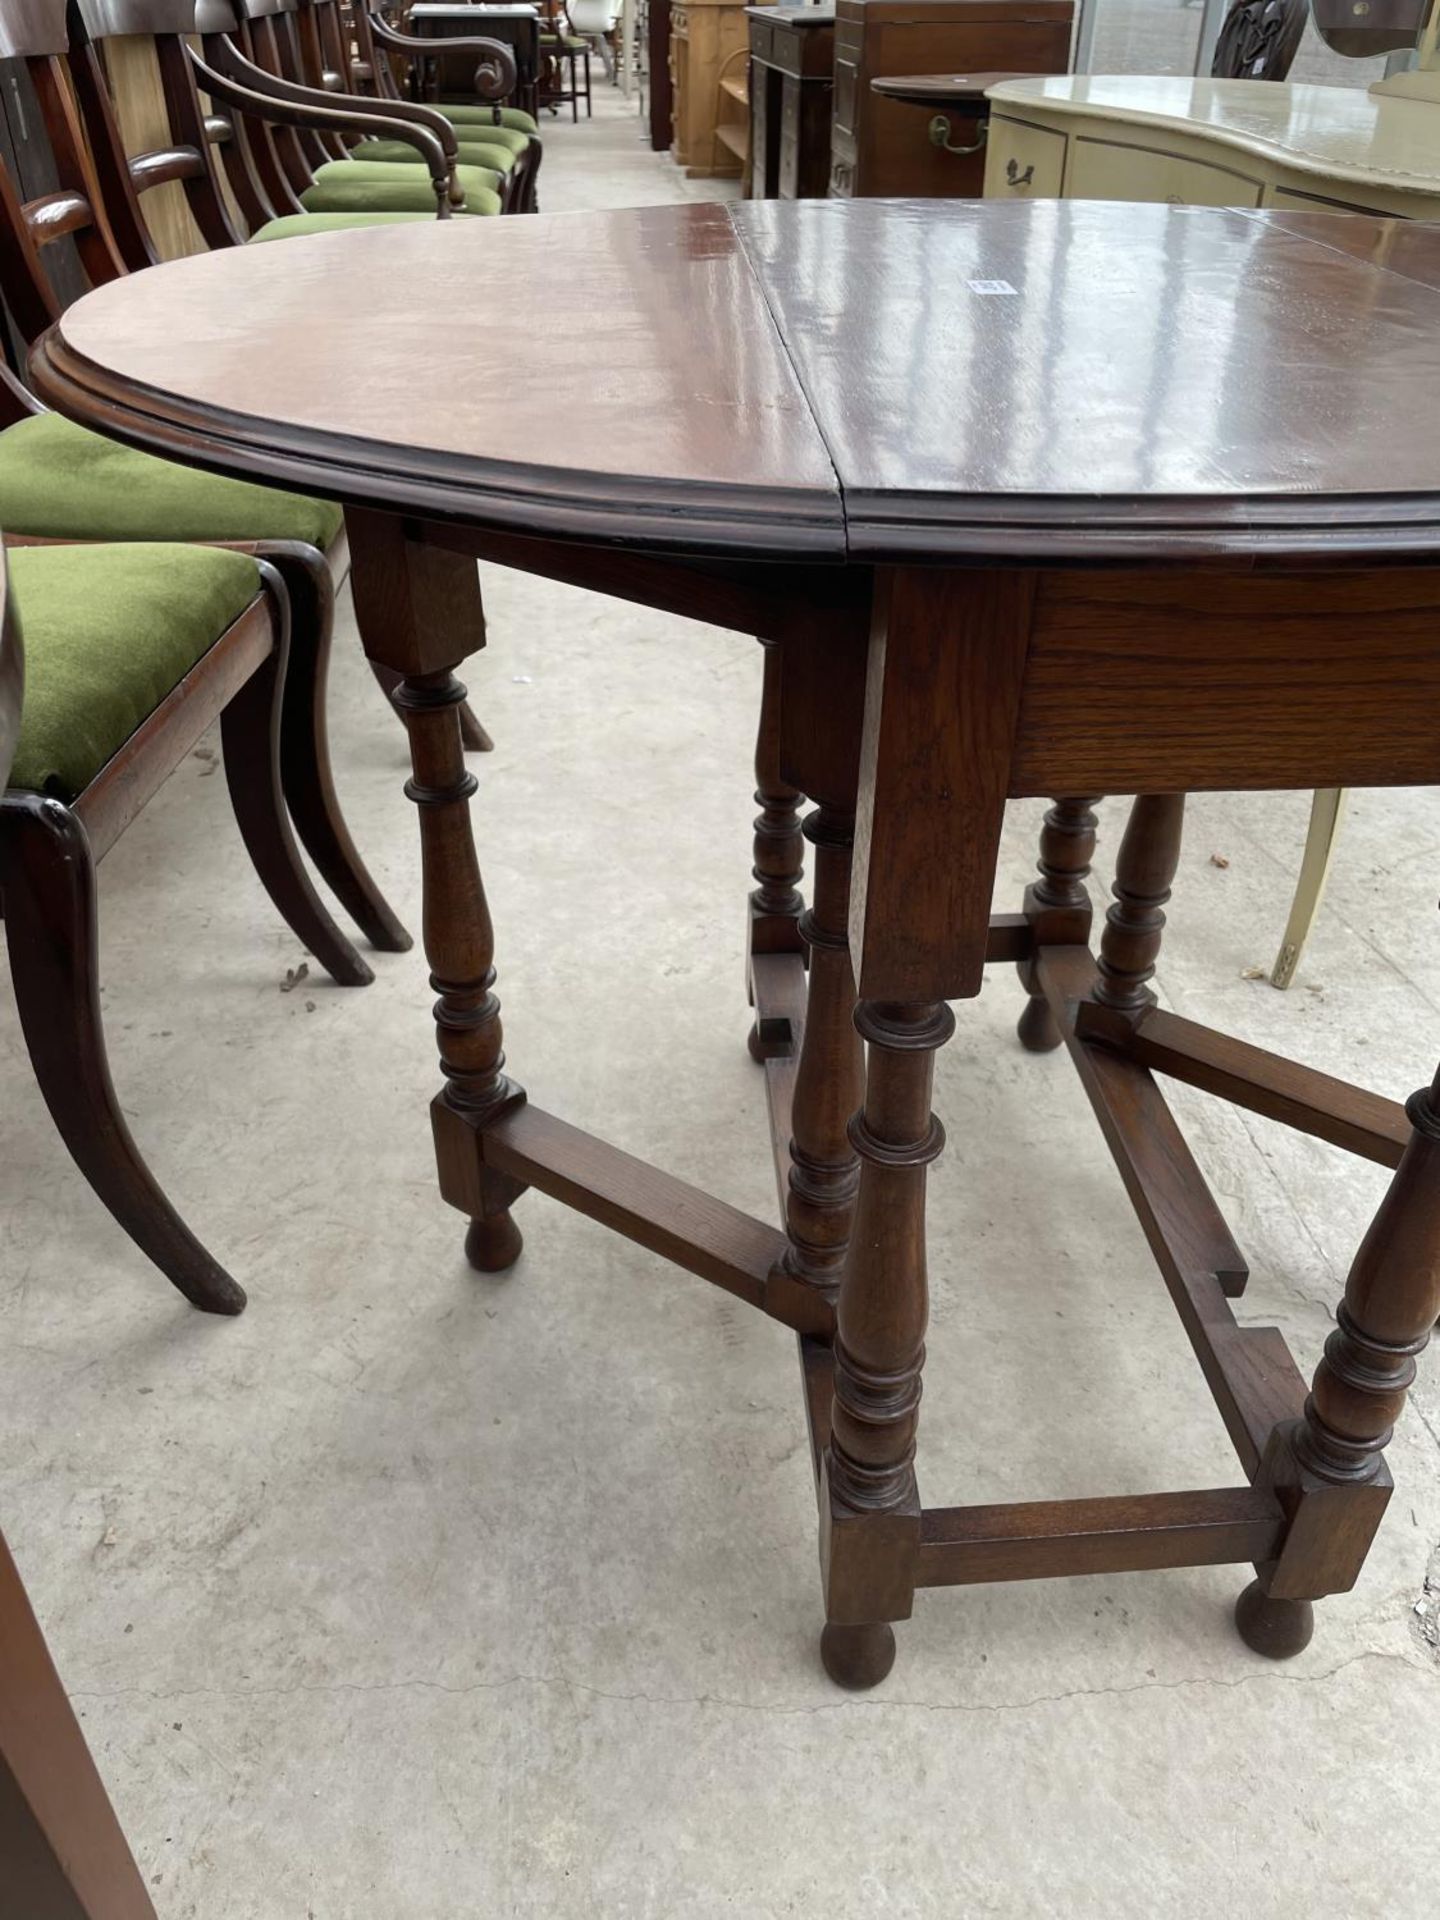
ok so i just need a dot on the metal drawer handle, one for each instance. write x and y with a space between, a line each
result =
1014 177
940 136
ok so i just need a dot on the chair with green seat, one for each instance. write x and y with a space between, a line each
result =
316 170
306 40
59 481
377 43
131 652
299 141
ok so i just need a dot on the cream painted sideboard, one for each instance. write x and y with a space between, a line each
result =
1225 143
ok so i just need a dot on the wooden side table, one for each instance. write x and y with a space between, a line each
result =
877 147
1009 530
957 120
792 82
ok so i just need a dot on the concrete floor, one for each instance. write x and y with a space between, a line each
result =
413 1594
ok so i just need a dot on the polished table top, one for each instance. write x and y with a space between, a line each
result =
811 379
938 89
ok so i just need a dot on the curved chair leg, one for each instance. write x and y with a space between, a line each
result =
534 156
47 880
250 742
1327 809
473 736
305 771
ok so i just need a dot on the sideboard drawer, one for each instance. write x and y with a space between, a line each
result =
1318 202
1118 170
1023 161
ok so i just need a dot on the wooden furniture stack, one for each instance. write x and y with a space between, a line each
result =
792 84
880 147
703 36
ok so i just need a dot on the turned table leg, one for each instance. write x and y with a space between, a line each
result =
460 946
829 1080
1328 1467
419 612
945 667
779 865
1057 905
1144 868
874 1508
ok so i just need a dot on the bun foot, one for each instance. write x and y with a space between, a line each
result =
493 1243
857 1657
1036 1028
1277 1629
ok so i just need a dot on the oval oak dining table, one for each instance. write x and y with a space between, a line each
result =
1055 499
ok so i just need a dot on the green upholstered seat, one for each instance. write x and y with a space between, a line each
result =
345 186
62 482
469 153
108 632
566 40
294 226
510 138
474 114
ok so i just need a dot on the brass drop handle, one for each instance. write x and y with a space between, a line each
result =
940 135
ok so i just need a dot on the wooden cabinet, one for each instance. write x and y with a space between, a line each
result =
703 35
792 81
882 147
657 62
1213 143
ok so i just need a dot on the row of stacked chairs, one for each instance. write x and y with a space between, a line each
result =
155 599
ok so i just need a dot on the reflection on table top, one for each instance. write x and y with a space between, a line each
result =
815 376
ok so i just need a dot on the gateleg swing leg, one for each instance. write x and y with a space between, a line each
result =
430 596
1328 1467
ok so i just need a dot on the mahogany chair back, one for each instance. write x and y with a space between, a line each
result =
292 123
34 31
185 157
372 69
268 32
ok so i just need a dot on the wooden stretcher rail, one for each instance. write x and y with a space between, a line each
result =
1249 1370
778 981
1261 1082
681 1223
1123 1533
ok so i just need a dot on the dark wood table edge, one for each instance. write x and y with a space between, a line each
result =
564 504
